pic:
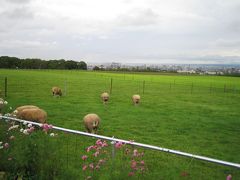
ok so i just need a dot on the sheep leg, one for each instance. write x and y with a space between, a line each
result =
88 130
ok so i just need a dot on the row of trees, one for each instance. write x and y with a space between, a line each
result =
34 63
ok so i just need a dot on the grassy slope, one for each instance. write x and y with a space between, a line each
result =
204 122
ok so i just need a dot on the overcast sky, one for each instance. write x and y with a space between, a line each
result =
127 31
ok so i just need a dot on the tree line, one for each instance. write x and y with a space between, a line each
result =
35 63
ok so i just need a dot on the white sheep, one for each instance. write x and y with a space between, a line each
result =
56 91
105 97
30 113
136 99
33 114
91 122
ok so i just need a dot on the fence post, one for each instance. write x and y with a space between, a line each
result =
143 86
192 88
111 86
67 149
113 154
113 149
5 91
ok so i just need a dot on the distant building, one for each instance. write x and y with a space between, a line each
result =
186 71
90 67
115 65
211 72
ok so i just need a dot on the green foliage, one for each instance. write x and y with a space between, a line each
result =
28 156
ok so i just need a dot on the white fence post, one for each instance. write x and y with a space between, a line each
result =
113 147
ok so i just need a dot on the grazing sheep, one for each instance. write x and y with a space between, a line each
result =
33 114
136 99
91 122
105 97
56 91
21 108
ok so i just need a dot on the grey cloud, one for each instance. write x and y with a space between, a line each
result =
138 17
187 59
25 44
127 1
215 59
224 13
228 43
18 1
18 13
16 19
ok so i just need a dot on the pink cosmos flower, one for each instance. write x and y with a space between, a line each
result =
6 145
104 144
97 167
133 164
84 157
118 145
135 152
30 130
99 142
84 167
142 163
229 177
89 148
96 154
46 127
91 165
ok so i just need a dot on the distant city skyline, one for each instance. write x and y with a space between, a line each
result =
124 31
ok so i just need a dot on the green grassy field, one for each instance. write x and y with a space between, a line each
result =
194 114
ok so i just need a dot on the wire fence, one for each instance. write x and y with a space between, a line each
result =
115 85
170 165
